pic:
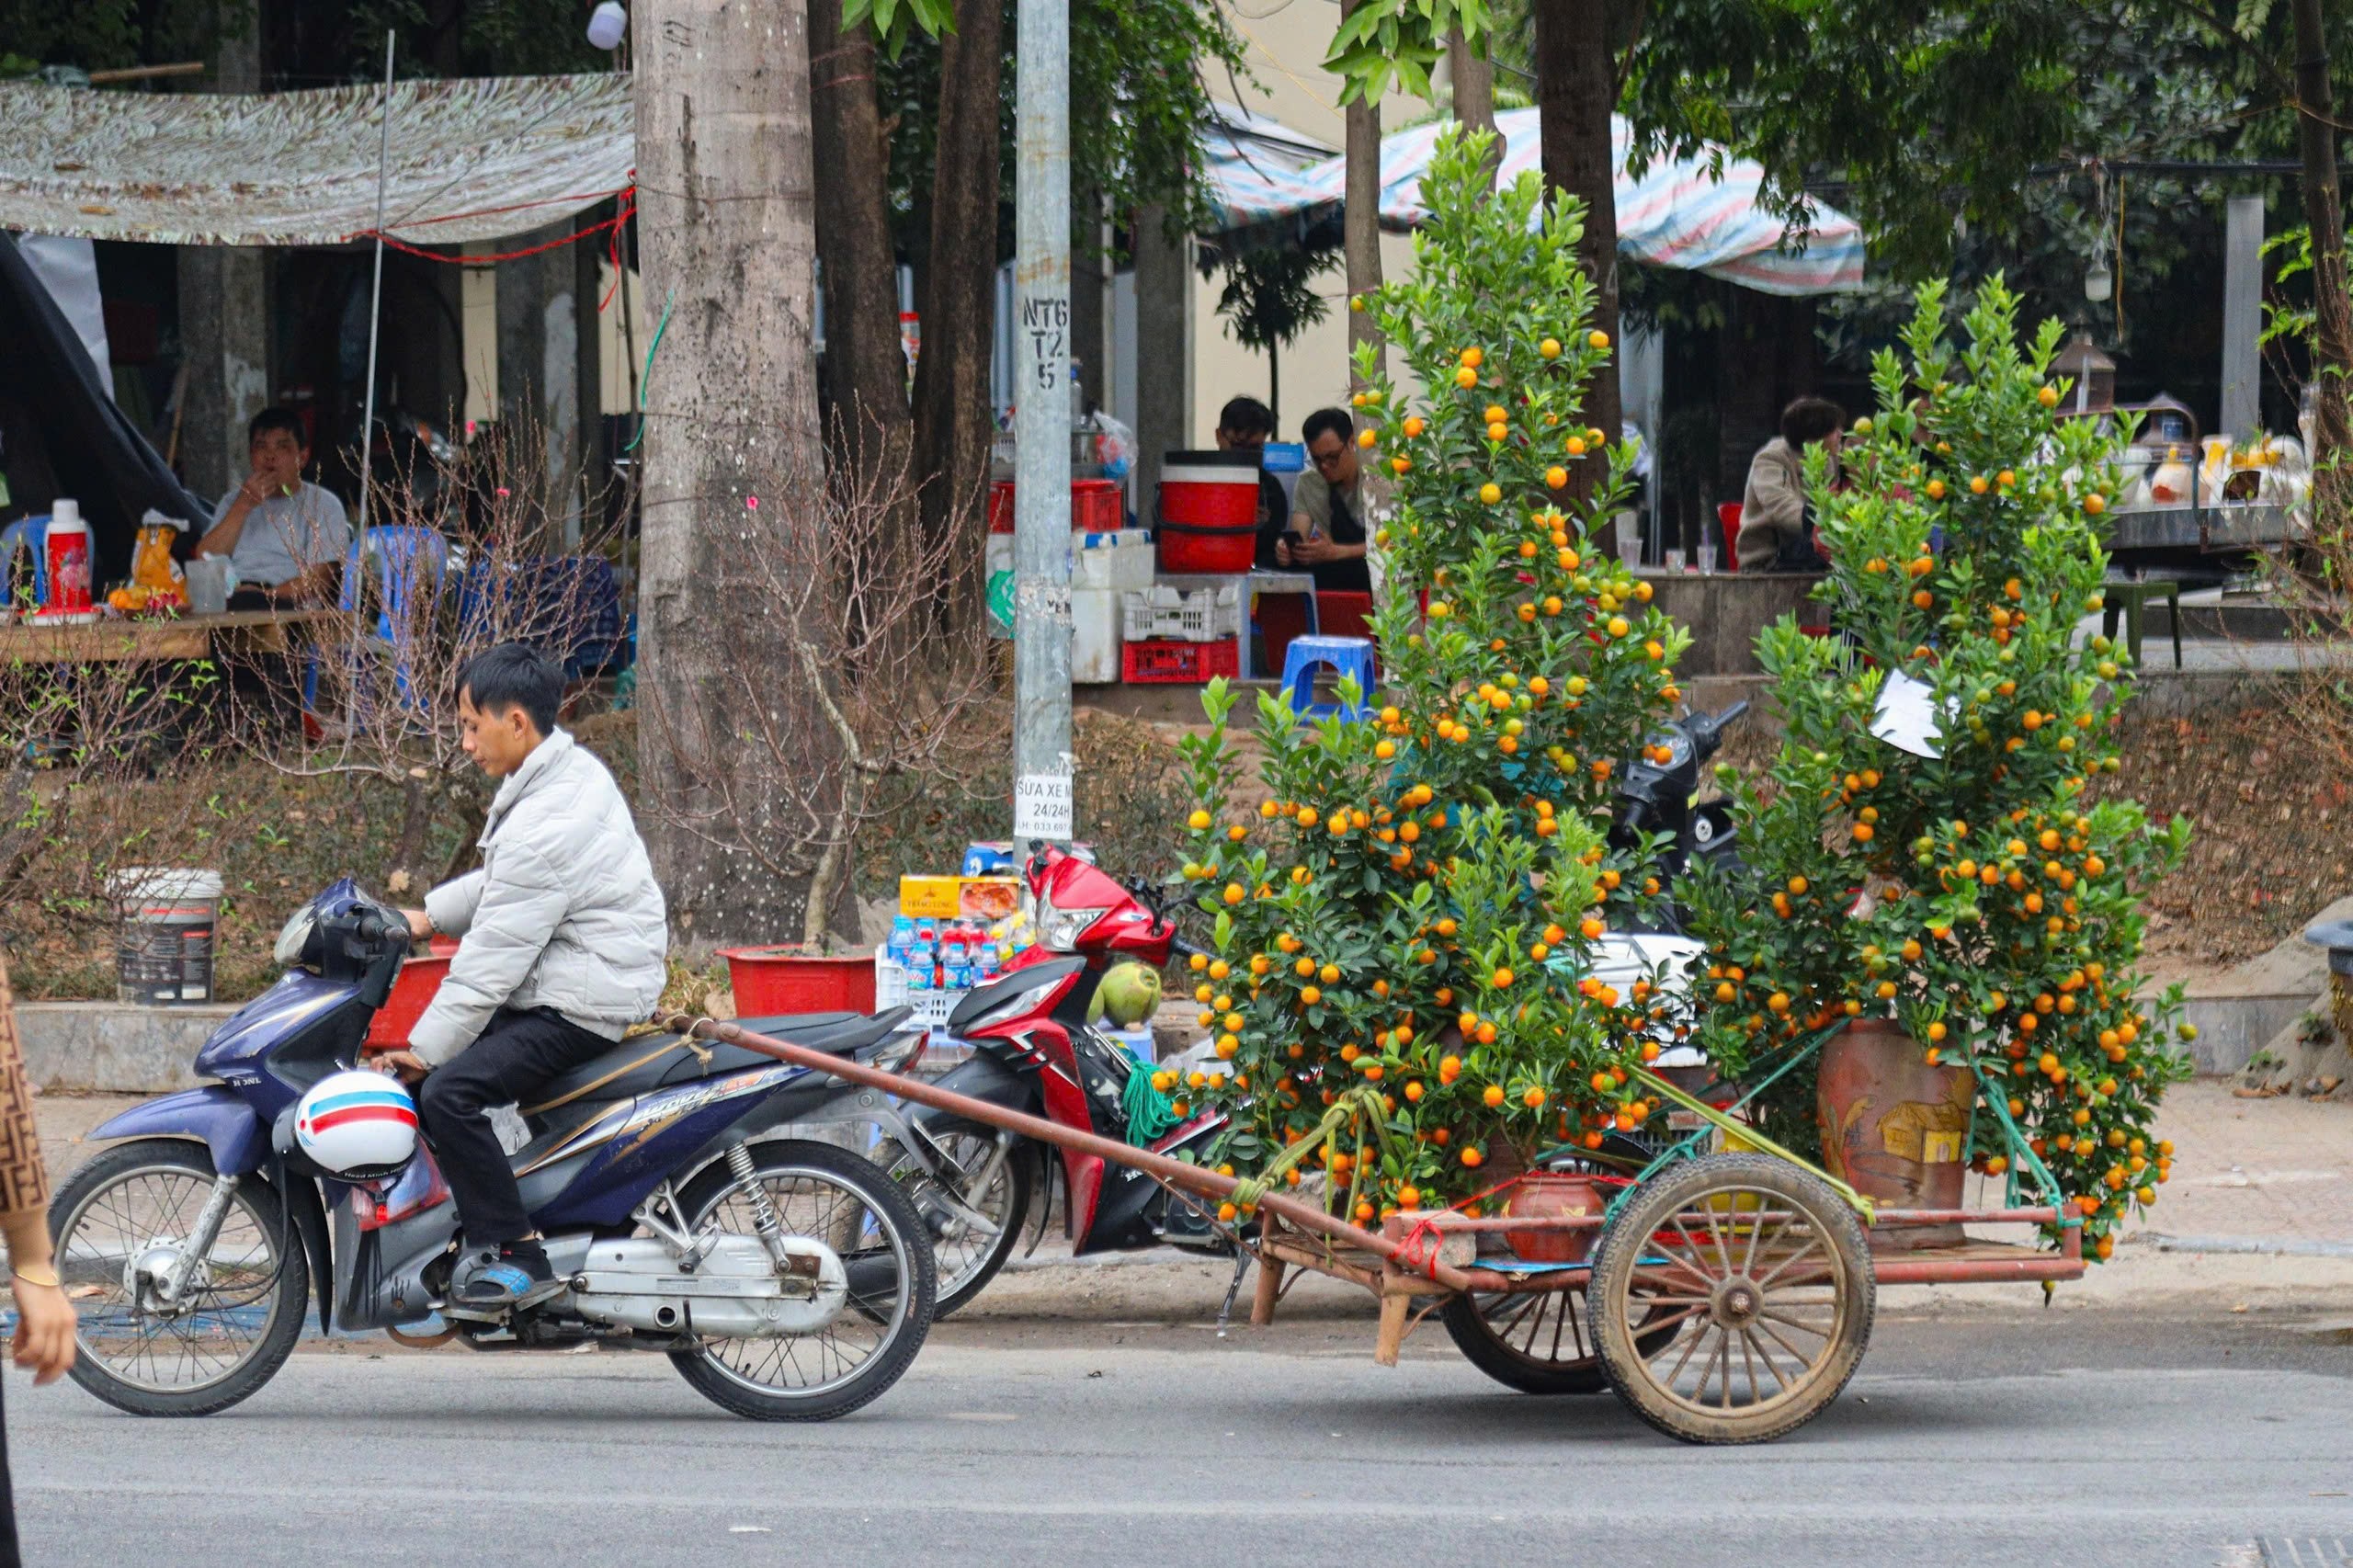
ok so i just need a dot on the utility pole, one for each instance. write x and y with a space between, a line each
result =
1041 760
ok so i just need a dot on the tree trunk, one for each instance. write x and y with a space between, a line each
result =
1576 89
1163 405
954 417
864 363
2325 212
1089 302
1473 79
1361 232
1275 385
728 223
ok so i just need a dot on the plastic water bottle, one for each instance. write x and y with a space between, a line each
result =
923 958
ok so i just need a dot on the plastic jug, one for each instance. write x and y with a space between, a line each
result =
211 580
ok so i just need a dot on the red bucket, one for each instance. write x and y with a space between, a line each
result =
771 981
1209 511
412 991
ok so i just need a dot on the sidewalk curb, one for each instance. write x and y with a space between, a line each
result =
2270 1246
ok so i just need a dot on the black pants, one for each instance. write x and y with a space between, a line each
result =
514 1057
8 1554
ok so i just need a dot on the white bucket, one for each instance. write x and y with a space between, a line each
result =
208 584
163 944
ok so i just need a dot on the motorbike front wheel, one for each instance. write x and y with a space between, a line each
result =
122 1222
846 1202
999 1174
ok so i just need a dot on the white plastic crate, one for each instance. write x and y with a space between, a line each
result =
893 987
1163 613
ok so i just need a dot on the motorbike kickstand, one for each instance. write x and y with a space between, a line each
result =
1240 1269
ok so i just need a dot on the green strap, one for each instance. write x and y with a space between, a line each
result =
1150 1113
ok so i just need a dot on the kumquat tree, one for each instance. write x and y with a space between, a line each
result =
1401 988
1963 883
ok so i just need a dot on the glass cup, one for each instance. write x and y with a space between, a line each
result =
1675 560
1707 558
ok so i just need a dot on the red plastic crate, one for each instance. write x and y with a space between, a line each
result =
1096 506
1178 663
772 982
412 991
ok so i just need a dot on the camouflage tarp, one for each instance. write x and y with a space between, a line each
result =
470 160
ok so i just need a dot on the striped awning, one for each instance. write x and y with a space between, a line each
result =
1700 214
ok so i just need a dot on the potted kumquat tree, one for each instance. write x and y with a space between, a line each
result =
1929 861
1401 990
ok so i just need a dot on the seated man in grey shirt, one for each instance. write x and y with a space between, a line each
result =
286 536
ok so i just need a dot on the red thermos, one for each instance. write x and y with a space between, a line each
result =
69 567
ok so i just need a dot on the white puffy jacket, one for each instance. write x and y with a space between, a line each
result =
565 912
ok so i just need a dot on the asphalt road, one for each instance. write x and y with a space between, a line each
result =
2083 1439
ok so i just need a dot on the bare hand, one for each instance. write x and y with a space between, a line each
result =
259 487
1282 549
44 1339
405 1065
420 924
1315 552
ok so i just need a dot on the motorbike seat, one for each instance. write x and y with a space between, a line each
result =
639 1066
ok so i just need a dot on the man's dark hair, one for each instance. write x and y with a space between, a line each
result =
1328 421
514 674
1808 419
1247 416
275 418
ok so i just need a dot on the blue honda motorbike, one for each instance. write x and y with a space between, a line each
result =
682 1200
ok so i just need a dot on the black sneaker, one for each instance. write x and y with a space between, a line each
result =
494 1282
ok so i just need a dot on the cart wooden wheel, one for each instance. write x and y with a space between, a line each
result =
1766 1268
1537 1342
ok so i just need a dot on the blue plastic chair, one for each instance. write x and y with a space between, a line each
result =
31 534
1351 657
408 560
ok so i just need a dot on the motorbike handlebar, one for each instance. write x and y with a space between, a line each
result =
1707 731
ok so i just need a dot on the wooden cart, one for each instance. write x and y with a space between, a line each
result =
1725 1297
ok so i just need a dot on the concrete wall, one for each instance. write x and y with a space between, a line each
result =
105 1048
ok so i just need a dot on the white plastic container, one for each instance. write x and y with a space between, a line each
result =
1123 560
163 945
1094 636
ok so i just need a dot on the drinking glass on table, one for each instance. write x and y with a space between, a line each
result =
1707 559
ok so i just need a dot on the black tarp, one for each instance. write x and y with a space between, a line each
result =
52 402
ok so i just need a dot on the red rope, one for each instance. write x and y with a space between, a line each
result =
610 227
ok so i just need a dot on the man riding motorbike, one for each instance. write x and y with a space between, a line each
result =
565 933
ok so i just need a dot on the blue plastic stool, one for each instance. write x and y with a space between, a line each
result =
1349 656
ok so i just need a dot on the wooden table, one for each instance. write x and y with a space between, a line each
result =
184 637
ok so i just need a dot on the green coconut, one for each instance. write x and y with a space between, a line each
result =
1129 995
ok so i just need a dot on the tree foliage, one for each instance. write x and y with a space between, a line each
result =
1404 935
1974 897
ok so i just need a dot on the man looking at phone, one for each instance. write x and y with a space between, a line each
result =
1326 533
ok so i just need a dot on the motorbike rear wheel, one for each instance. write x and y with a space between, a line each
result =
835 1197
124 1217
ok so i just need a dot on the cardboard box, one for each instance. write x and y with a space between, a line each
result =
987 899
929 898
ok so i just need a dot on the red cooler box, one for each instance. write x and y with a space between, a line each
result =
1209 511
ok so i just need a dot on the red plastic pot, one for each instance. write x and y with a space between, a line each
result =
1208 513
412 991
772 982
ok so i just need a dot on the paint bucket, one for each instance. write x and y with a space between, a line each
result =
164 941
1209 511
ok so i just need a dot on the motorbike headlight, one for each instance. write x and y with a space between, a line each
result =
1060 929
293 938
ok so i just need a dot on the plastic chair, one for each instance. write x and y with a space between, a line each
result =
1728 519
404 557
27 534
1351 657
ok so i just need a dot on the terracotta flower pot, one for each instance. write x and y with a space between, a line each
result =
1893 1127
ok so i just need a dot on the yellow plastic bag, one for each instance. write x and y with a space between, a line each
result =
152 566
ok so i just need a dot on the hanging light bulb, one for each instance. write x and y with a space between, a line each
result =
608 24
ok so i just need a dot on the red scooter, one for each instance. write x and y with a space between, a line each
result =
1034 1050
